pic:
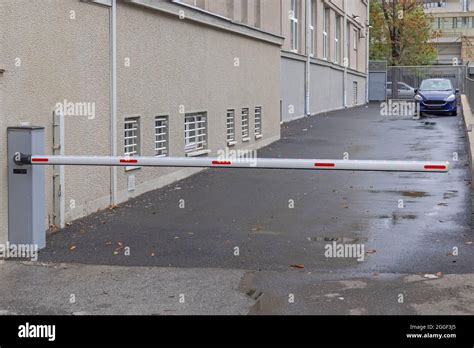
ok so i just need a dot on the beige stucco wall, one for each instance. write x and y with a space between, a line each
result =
176 63
172 63
61 58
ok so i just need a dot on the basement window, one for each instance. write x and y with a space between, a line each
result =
131 138
230 127
245 124
161 136
195 133
258 122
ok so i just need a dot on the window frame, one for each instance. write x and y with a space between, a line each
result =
337 39
312 22
294 37
166 136
193 147
138 136
245 135
230 141
325 33
258 134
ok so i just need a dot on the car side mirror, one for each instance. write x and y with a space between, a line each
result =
416 90
457 90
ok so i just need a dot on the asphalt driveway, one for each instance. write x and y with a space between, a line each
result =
249 209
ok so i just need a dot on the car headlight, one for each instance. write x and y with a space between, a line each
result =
418 97
451 98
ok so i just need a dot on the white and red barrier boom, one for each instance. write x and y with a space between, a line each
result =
257 163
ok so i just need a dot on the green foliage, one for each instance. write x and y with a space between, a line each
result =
401 33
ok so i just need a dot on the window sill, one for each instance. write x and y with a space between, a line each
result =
258 136
245 139
197 153
231 143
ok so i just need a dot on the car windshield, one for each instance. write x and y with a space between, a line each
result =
436 85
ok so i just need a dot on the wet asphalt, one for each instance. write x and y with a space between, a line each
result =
249 209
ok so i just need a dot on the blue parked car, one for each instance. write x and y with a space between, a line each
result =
437 96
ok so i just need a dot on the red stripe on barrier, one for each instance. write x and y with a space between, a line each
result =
128 161
434 167
39 159
221 162
324 164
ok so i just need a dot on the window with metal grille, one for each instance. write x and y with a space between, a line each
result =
245 124
195 132
161 136
230 127
258 121
294 25
354 92
132 136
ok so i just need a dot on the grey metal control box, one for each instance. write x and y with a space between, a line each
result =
26 199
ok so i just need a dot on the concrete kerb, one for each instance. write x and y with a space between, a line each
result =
469 124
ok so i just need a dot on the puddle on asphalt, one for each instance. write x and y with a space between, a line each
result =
397 218
347 240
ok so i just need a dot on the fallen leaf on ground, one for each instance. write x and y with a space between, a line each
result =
297 266
73 247
439 274
431 276
371 251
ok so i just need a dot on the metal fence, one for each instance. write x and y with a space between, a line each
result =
409 78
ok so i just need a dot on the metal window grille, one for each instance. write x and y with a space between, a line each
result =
258 120
132 136
230 126
355 92
161 136
245 123
195 132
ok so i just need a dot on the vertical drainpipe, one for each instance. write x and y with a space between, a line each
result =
367 37
113 101
308 58
346 55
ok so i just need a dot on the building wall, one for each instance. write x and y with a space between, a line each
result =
330 94
326 96
292 88
45 62
156 76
